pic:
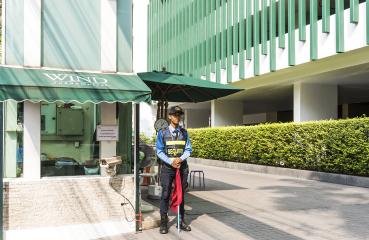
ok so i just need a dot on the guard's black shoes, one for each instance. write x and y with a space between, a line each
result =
184 226
163 224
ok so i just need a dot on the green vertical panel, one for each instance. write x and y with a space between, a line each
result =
160 32
125 137
192 38
242 39
154 25
213 36
208 39
186 38
367 22
248 30
72 41
354 11
291 33
204 35
173 35
340 46
229 40
264 27
281 23
256 38
157 44
14 31
224 34
198 38
217 41
272 34
302 20
326 15
148 37
235 31
314 29
165 34
182 39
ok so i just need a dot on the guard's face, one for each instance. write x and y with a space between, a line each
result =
175 118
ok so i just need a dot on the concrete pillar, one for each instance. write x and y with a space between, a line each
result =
226 113
314 102
108 117
32 140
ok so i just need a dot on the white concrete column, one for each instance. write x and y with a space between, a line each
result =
32 140
32 33
226 113
313 102
108 117
108 36
140 35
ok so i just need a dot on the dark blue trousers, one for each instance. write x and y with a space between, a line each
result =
168 174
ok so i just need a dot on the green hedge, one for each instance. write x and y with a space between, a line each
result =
337 146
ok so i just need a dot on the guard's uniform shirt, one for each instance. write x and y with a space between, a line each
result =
167 135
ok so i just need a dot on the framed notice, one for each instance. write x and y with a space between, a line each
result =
107 133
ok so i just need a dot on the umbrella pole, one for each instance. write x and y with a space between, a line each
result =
178 222
166 108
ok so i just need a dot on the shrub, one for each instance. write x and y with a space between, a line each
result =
337 146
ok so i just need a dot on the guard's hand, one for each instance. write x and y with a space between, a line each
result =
177 163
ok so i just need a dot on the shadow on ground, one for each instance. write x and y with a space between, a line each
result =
348 205
248 226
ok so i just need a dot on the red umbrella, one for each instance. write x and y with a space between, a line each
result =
177 193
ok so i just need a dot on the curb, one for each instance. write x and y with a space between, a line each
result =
296 173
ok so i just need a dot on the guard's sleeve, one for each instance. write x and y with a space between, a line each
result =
188 149
160 148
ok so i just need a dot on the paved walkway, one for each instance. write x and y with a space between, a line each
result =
243 205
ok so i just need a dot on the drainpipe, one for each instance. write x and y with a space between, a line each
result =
136 168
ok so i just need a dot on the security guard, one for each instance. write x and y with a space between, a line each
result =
173 147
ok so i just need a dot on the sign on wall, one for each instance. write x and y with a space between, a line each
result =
107 133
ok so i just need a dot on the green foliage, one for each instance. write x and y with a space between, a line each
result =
337 146
148 140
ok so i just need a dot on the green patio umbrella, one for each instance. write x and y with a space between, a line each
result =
171 87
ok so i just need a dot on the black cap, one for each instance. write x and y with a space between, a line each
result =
176 110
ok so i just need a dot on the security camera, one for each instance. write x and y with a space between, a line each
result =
109 165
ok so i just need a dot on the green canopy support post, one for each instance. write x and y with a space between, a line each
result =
1 166
136 168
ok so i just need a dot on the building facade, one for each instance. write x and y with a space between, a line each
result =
297 60
51 147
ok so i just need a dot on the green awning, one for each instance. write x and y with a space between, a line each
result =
37 85
173 87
